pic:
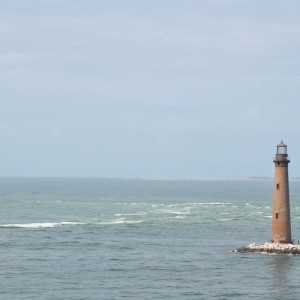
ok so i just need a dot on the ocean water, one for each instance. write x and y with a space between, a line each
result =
75 238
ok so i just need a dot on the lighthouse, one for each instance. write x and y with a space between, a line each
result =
281 221
281 241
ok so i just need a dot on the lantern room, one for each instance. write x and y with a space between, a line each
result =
281 148
281 157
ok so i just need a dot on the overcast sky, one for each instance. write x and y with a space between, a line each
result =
148 88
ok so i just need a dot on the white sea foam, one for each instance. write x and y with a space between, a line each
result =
119 221
172 212
40 225
132 214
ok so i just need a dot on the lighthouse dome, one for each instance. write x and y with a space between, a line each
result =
282 144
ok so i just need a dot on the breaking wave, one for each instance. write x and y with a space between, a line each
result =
40 225
119 221
159 213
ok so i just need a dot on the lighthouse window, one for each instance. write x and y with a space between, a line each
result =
278 186
276 216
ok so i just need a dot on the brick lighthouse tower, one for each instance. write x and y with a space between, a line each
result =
281 222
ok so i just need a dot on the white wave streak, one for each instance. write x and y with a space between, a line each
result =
132 214
40 225
119 221
172 212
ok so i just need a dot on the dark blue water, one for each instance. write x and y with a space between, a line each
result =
71 238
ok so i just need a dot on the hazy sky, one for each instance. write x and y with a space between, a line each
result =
148 88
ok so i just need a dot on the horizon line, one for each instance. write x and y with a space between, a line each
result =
150 177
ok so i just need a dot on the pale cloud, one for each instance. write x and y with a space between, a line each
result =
205 35
294 78
245 37
11 58
6 27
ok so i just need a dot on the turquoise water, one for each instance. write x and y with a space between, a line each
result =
67 238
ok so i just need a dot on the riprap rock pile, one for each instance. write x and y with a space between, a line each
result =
271 248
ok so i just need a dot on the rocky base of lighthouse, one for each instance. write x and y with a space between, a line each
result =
271 248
